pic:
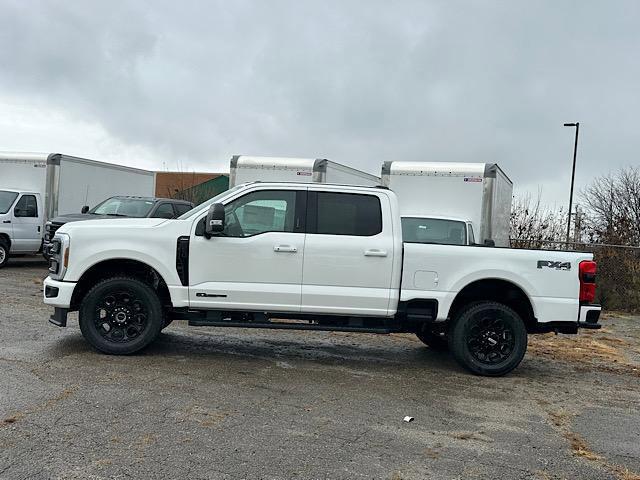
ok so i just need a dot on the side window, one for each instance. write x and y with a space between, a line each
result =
181 208
433 230
348 214
164 210
27 206
261 212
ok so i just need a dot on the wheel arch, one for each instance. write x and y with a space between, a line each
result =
6 239
120 266
496 290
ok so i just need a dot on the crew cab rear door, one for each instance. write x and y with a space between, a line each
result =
349 253
256 263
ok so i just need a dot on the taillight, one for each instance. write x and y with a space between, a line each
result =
587 272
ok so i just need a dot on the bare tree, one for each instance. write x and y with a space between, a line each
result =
533 225
613 203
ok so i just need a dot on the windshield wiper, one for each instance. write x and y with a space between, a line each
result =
115 214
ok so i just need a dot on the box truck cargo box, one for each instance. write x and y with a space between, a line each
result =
38 186
245 169
24 171
478 192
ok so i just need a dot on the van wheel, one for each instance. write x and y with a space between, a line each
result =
488 338
121 315
4 253
433 339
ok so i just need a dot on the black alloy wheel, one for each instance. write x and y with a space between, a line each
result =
488 338
121 315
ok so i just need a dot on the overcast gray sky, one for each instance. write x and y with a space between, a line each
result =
185 85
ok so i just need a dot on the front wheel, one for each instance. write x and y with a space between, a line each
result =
488 338
4 253
121 315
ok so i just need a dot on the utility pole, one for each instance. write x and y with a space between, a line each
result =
573 176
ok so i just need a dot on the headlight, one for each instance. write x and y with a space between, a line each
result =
59 256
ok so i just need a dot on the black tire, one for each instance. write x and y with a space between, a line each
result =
488 338
4 253
433 339
121 315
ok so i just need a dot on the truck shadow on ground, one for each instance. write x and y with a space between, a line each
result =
371 352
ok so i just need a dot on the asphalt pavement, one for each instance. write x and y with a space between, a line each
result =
241 403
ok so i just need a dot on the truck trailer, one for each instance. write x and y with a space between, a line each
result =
244 169
37 186
476 193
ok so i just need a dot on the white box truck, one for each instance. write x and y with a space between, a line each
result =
475 196
244 169
38 186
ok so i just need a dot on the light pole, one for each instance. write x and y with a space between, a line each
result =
573 175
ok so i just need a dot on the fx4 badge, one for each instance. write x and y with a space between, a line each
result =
556 265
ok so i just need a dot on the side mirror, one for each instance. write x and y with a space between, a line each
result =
85 209
214 223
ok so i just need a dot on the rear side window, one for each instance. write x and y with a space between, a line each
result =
345 214
433 230
164 210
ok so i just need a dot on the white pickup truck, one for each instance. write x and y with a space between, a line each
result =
331 256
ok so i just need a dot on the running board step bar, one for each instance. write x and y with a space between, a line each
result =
288 326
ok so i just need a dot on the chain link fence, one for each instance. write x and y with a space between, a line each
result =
618 280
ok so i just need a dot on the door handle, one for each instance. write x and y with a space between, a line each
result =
6 221
374 252
285 248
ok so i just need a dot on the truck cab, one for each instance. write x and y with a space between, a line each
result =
21 219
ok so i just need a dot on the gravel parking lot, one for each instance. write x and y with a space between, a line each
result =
232 403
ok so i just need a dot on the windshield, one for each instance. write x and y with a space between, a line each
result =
6 200
433 230
203 206
123 207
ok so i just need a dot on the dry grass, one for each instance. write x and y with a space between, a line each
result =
579 447
600 349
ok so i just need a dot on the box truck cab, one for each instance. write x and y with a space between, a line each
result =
479 193
21 214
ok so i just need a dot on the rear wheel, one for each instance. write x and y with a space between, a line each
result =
433 338
488 338
4 253
121 315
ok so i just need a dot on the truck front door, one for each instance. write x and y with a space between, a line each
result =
256 263
27 224
349 254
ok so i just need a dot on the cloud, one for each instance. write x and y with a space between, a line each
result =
359 82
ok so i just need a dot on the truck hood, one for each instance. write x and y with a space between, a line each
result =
76 217
113 224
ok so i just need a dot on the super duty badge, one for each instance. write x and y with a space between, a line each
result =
555 265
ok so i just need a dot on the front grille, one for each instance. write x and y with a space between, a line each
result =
50 230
